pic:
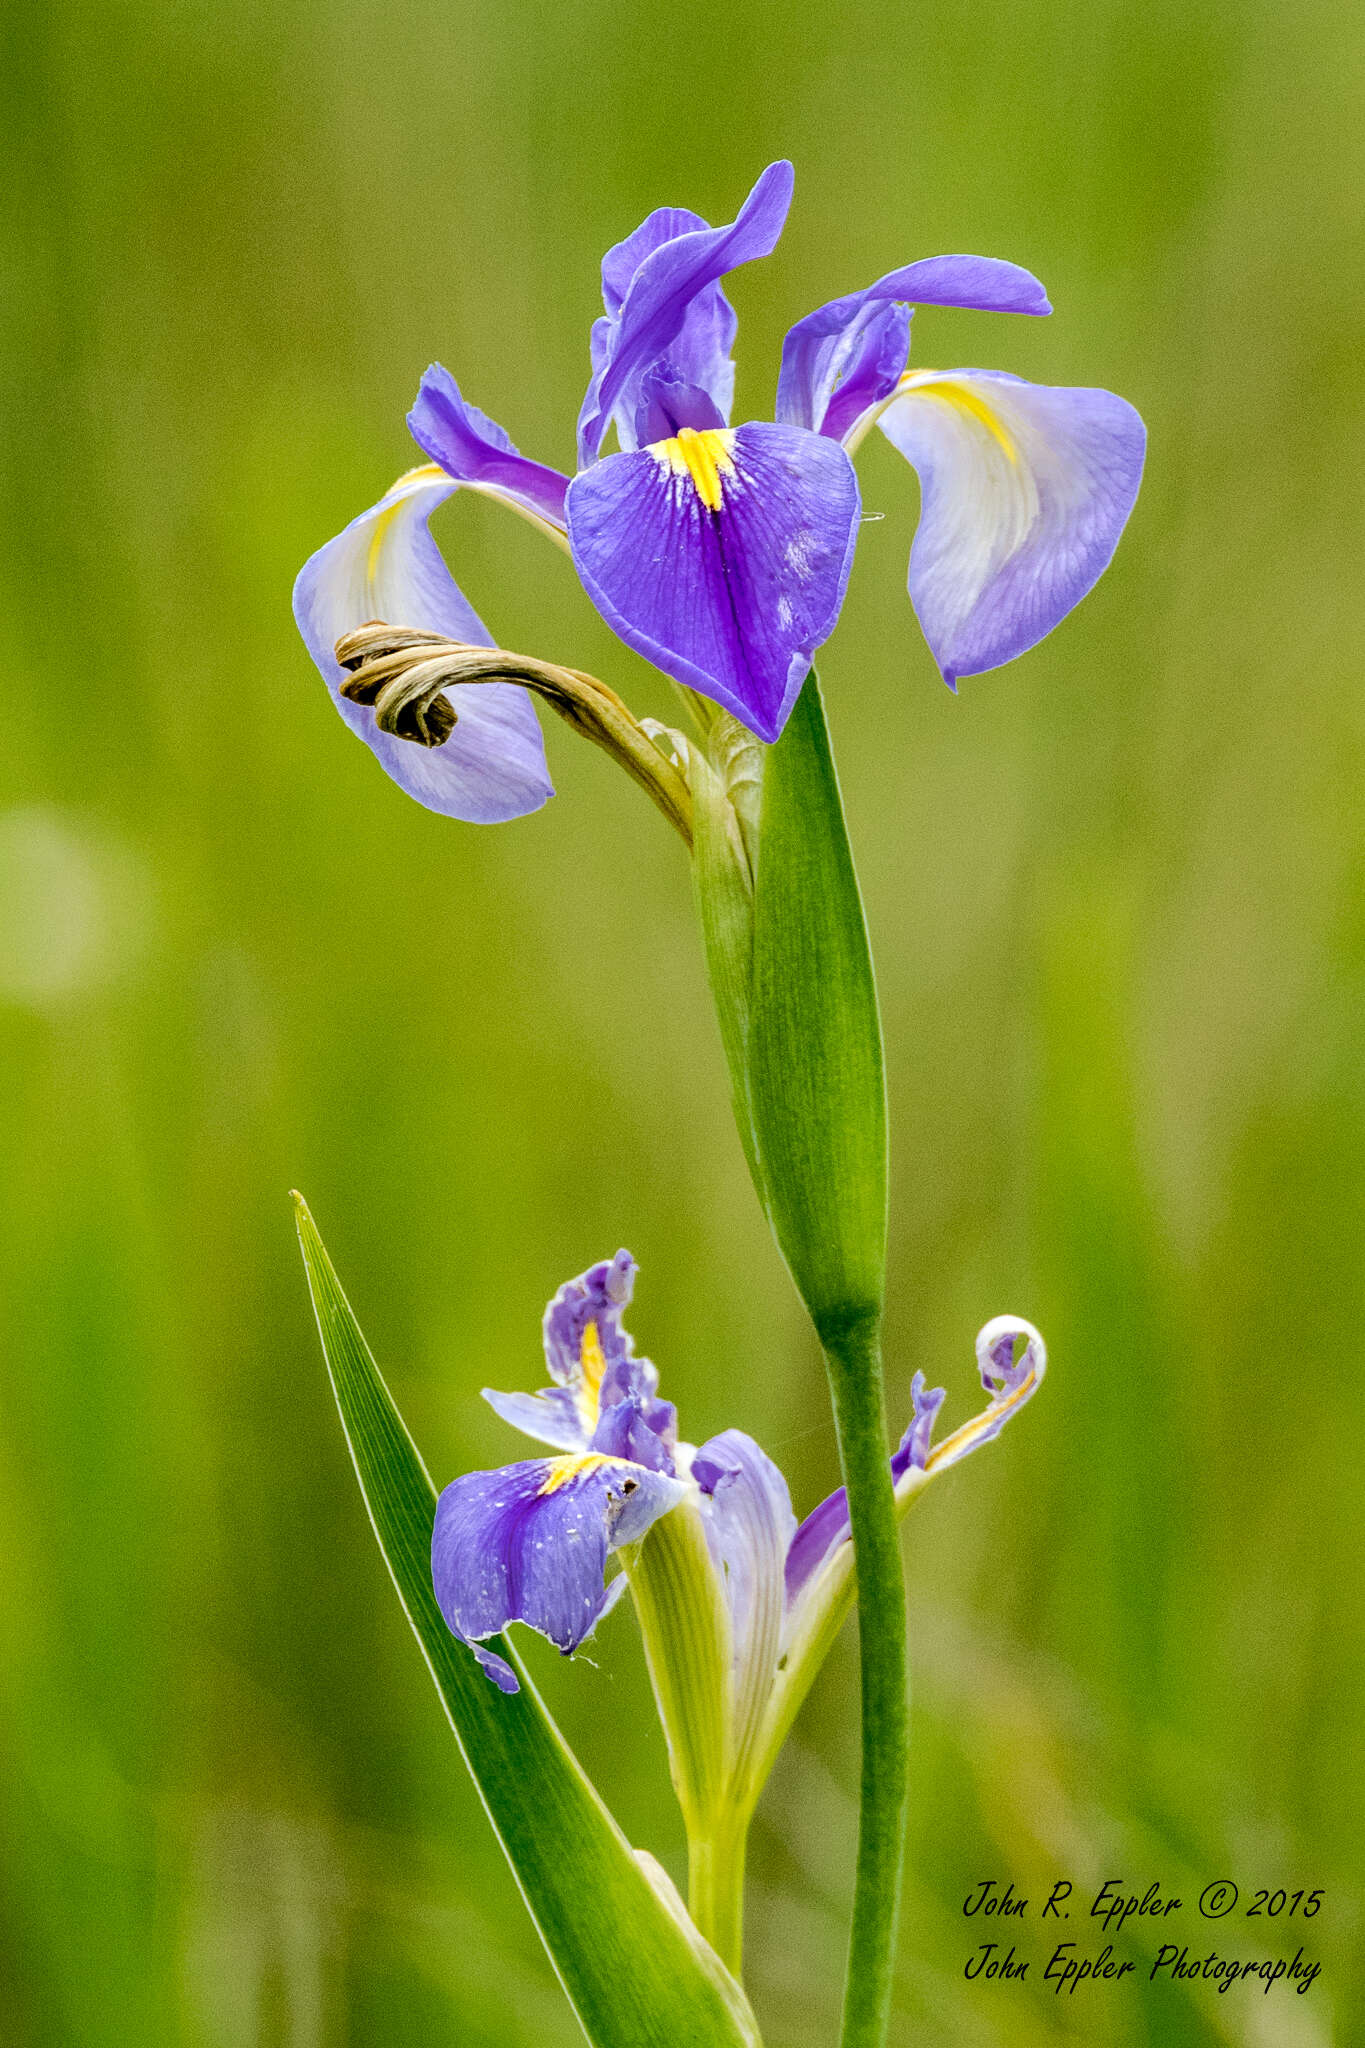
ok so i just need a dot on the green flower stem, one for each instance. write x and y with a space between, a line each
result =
853 1357
715 1884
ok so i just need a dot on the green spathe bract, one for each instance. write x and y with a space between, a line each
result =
803 1039
817 1093
634 1970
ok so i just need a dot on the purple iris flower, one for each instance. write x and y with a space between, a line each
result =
530 1542
721 553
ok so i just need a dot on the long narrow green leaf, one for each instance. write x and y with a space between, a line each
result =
634 1969
815 1050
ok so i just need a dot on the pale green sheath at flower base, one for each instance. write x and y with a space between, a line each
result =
721 554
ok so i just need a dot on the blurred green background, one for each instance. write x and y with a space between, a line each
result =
1116 897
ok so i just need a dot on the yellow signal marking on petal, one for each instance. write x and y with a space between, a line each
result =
704 454
930 384
564 1470
594 1365
964 1439
425 472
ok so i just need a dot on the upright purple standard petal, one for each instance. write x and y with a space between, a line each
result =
475 450
385 565
530 1543
672 269
722 557
691 383
1025 491
848 354
593 1364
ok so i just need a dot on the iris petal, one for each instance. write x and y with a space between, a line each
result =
385 565
749 1528
530 1543
692 383
1025 491
727 574
843 357
476 451
827 1527
673 270
1009 1382
552 1417
593 1364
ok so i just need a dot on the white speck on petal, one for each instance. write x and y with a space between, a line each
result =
800 552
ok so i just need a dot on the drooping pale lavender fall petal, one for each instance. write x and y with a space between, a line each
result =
1025 491
848 354
477 452
672 271
530 1542
385 565
722 558
749 1529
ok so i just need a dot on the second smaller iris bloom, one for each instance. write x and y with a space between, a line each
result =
531 1541
721 553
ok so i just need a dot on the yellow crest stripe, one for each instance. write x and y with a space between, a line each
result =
929 384
703 454
426 472
563 1470
594 1365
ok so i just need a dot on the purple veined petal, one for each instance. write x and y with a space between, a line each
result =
834 366
981 284
913 1449
497 1668
666 224
749 1530
1025 491
592 1361
587 1346
601 1297
665 403
676 268
827 1527
552 1417
693 383
640 1429
530 1543
476 451
722 558
841 358
385 565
